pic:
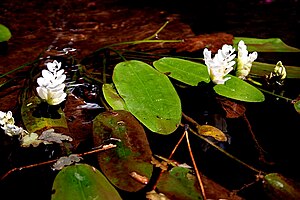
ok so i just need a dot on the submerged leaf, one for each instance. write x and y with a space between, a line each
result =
37 124
182 70
149 95
238 89
265 45
132 154
232 109
82 182
212 131
279 187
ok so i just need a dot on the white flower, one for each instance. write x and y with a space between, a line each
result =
11 130
244 61
279 70
221 64
6 118
51 86
7 124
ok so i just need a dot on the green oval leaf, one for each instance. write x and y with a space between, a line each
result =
149 95
179 183
5 33
82 182
112 97
182 70
238 89
279 187
132 154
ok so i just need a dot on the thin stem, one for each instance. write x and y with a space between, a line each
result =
20 67
52 161
214 145
157 32
170 156
194 163
276 95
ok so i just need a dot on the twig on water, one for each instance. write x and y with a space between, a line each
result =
104 147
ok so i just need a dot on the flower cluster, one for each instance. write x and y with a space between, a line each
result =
7 123
244 61
51 86
27 139
223 62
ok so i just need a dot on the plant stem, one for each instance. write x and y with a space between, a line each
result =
217 147
194 163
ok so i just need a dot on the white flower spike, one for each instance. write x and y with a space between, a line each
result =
244 61
221 64
51 86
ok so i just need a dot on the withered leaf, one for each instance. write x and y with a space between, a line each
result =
232 109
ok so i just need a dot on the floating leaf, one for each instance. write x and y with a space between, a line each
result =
149 95
132 154
279 187
265 45
297 106
37 124
212 131
5 33
238 89
82 182
113 98
182 70
179 183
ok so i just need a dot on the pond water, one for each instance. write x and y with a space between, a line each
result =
81 27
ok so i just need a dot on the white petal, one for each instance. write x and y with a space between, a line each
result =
42 92
60 79
47 75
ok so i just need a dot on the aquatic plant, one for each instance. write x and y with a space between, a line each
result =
5 33
221 64
140 92
51 86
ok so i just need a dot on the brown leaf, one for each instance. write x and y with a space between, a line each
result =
232 109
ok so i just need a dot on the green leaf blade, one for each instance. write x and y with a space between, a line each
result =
265 45
238 89
186 71
81 182
112 97
149 95
5 33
